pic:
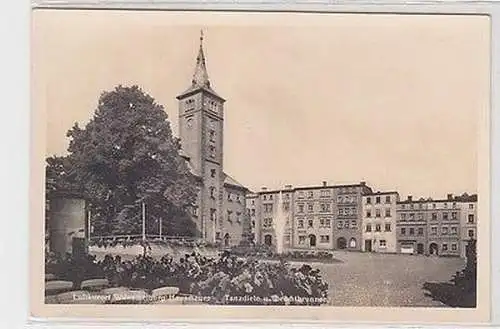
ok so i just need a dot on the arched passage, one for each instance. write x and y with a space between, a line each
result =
341 243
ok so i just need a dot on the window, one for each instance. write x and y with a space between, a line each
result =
420 216
412 231
264 197
310 223
471 206
212 173
301 208
253 212
454 215
310 194
454 230
382 243
238 217
253 224
445 215
377 199
212 151
354 224
445 205
388 227
324 238
217 235
229 197
377 212
229 212
434 230
271 197
340 224
195 211
212 135
287 238
268 222
444 230
325 193
454 246
368 227
212 214
302 239
387 212
346 224
310 207
325 207
368 213
420 231
341 211
403 217
434 216
300 223
301 195
403 231
388 199
403 206
212 192
454 205
286 206
340 199
368 200
470 219
445 245
411 206
377 228
420 206
471 233
433 206
324 222
412 216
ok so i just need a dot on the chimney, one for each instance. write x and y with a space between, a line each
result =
288 187
362 183
409 197
450 196
263 188
324 183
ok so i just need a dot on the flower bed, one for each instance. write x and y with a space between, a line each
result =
225 280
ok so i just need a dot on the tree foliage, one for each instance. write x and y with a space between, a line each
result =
124 156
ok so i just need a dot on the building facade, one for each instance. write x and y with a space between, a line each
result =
221 204
411 226
379 222
313 217
253 217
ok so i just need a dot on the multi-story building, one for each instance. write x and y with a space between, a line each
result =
443 227
313 217
348 227
268 202
252 208
468 220
221 199
379 222
411 226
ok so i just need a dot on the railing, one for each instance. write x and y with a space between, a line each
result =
148 237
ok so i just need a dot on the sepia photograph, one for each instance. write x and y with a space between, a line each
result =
331 163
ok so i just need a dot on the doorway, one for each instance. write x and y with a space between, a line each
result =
312 240
420 249
433 249
341 243
368 245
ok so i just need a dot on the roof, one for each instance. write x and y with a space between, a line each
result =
200 81
228 180
380 193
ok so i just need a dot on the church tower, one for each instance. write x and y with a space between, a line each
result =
201 118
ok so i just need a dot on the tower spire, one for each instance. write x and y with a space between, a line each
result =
200 76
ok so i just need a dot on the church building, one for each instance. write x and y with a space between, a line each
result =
220 213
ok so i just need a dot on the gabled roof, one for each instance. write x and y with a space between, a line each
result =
228 180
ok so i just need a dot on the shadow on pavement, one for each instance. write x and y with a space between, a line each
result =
450 294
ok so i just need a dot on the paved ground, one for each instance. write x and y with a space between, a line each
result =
386 280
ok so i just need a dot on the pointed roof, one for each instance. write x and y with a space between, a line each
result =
228 180
200 80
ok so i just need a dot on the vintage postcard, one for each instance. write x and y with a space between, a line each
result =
265 166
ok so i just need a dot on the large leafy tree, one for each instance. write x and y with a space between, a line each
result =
125 156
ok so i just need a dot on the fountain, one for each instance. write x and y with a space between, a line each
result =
279 223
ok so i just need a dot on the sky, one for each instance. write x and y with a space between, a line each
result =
397 101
